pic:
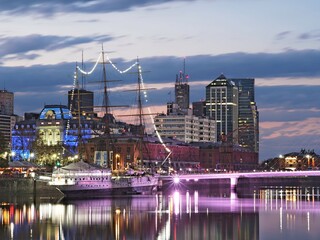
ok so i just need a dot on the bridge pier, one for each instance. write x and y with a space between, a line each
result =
233 183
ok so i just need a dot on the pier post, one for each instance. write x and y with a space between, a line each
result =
233 183
34 188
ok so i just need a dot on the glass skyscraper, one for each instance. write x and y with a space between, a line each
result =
222 106
248 114
231 103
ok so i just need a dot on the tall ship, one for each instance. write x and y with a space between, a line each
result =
83 180
87 179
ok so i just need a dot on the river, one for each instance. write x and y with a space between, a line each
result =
273 213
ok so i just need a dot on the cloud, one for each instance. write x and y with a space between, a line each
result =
291 63
285 81
312 35
281 68
282 35
24 44
284 137
48 7
306 126
289 97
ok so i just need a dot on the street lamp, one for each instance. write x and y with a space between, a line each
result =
308 157
31 156
11 155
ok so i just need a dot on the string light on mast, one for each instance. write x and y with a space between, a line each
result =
149 111
144 92
75 77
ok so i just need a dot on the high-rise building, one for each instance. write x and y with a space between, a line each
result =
248 114
186 128
182 91
6 102
7 119
85 103
6 124
222 107
180 123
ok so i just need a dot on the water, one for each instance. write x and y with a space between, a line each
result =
279 213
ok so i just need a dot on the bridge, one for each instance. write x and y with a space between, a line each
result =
236 175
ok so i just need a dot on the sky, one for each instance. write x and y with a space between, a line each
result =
276 42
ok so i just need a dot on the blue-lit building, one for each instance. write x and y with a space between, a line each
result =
55 127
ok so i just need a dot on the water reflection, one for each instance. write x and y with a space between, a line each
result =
270 214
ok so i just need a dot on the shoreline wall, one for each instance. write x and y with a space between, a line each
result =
26 186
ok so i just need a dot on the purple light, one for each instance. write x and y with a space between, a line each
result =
176 180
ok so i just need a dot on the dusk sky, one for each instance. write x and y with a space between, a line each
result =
277 42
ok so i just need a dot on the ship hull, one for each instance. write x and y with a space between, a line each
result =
81 180
86 188
78 192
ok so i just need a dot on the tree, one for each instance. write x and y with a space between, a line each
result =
4 163
46 154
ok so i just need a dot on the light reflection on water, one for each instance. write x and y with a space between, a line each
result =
284 213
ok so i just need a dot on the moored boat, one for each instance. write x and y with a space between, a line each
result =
83 180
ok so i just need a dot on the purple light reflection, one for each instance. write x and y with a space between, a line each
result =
176 202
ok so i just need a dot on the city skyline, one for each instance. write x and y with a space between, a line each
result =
275 43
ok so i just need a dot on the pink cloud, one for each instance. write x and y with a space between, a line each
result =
272 130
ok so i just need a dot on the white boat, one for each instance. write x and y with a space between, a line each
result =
83 180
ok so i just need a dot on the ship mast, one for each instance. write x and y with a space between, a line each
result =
140 113
80 140
105 95
107 141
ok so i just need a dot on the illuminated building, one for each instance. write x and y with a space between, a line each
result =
7 119
231 103
6 124
23 135
186 128
222 107
182 91
248 121
124 152
180 123
55 126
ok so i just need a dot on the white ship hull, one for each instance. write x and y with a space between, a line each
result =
114 186
84 181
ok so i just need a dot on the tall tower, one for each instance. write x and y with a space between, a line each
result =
6 102
7 120
248 114
222 106
182 89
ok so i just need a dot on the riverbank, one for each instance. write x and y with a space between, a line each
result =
16 189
